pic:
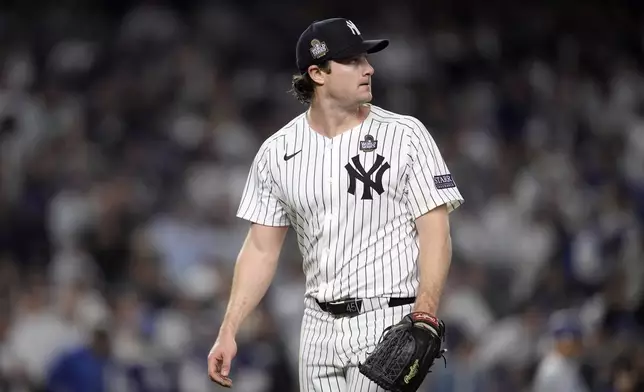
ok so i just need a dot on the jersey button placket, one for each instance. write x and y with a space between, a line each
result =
327 270
332 212
329 156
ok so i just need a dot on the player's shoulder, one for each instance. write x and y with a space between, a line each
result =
272 141
405 123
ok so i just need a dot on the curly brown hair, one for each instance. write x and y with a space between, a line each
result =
303 87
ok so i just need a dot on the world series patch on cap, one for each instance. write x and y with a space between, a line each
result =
333 39
318 49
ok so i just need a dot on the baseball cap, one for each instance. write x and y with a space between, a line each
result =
333 39
565 324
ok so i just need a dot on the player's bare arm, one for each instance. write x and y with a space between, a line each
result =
254 271
416 341
434 258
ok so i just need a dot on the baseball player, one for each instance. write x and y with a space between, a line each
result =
368 194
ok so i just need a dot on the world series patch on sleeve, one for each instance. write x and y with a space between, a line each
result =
406 352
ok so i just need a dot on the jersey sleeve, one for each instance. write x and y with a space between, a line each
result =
259 201
430 183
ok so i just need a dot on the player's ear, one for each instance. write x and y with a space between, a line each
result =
316 74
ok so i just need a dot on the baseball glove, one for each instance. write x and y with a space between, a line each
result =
405 353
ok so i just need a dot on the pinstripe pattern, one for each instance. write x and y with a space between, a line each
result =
331 348
351 246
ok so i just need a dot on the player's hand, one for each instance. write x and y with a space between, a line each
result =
219 359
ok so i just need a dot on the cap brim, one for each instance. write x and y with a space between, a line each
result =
367 46
375 45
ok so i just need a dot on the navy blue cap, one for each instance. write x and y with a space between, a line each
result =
565 324
333 39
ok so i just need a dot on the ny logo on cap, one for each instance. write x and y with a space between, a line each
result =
353 28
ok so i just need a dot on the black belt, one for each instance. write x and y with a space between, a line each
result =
353 306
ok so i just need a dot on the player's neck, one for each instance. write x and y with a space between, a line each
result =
330 120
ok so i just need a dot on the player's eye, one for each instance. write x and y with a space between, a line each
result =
361 59
349 60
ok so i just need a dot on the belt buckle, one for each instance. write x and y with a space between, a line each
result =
351 307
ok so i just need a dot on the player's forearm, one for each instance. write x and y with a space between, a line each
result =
434 263
253 274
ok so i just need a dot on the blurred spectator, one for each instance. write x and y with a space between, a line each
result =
559 370
463 373
82 369
626 376
37 334
513 342
464 305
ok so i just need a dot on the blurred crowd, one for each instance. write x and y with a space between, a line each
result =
126 134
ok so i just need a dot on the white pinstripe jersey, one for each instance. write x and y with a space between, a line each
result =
352 201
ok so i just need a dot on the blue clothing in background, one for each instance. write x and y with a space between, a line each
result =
77 371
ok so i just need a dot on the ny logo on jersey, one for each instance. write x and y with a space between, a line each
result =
360 174
353 28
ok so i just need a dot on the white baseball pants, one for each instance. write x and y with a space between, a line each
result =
331 347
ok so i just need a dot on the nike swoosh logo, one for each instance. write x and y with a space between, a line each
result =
287 157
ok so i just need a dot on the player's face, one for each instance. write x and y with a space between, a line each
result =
350 80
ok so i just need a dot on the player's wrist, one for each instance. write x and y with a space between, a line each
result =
426 303
425 317
429 322
227 331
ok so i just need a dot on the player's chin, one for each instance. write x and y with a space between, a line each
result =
365 97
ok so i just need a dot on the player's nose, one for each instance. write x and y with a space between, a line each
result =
369 70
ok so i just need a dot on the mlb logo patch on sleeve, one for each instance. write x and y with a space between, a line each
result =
444 181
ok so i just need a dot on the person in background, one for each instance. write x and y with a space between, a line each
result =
462 373
560 368
82 369
626 375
